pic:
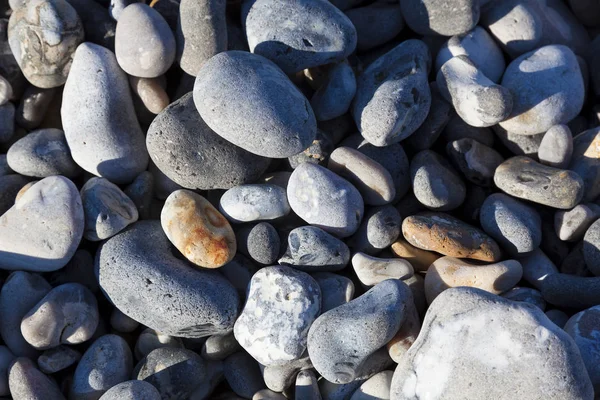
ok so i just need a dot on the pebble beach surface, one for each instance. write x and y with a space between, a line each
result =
299 199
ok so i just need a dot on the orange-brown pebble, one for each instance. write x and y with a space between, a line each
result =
449 236
418 258
151 92
197 229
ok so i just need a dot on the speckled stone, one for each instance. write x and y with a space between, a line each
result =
247 203
586 161
198 230
430 17
335 290
250 102
204 159
317 153
372 270
379 228
524 178
571 291
150 340
132 390
476 161
43 36
269 299
242 373
420 259
556 147
322 198
27 382
571 225
34 104
53 214
480 341
334 97
106 362
393 96
435 183
547 87
307 386
144 43
267 394
449 236
583 328
98 117
341 341
99 27
260 242
57 359
141 277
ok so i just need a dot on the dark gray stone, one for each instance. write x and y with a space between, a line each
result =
57 359
379 228
260 242
243 375
476 161
571 291
33 106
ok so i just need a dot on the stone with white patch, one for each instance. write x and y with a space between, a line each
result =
311 249
257 202
282 304
477 345
372 270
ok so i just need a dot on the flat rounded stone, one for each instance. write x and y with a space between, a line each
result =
68 314
27 382
536 267
586 161
369 35
524 178
307 386
132 390
201 32
450 272
435 183
247 203
150 92
430 17
583 328
372 270
379 228
144 43
175 373
526 295
547 87
371 179
475 160
591 248
57 359
481 49
141 277
242 373
420 259
449 236
556 147
203 160
393 96
219 347
406 335
341 340
335 290
376 387
571 225
571 291
107 209
106 363
334 97
299 35
260 242
480 341
98 117
322 198
150 340
250 102
43 36
197 229
42 153
273 326
34 105
43 229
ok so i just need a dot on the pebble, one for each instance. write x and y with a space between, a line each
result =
371 179
334 97
68 314
571 291
316 33
141 192
106 363
407 334
306 386
372 270
116 7
322 198
121 322
267 394
147 283
464 323
281 306
247 203
526 295
393 96
419 259
204 159
548 90
475 160
376 387
21 291
201 33
583 328
150 340
27 382
430 130
449 236
526 179
43 36
430 17
479 47
435 183
585 161
132 390
11 185
591 248
144 43
219 347
379 228
107 209
333 391
450 272
7 124
559 317
242 373
53 214
57 359
369 35
571 225
341 341
335 290
250 102
175 373
33 107
280 377
556 147
521 145
92 103
198 230
151 92
536 267
477 99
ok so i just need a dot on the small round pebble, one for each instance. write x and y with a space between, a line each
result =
371 35
247 203
591 248
447 18
141 192
586 161
556 147
536 267
430 130
57 359
379 228
559 317
150 92
526 295
260 242
219 347
571 225
243 375
571 291
7 122
280 377
34 106
132 390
